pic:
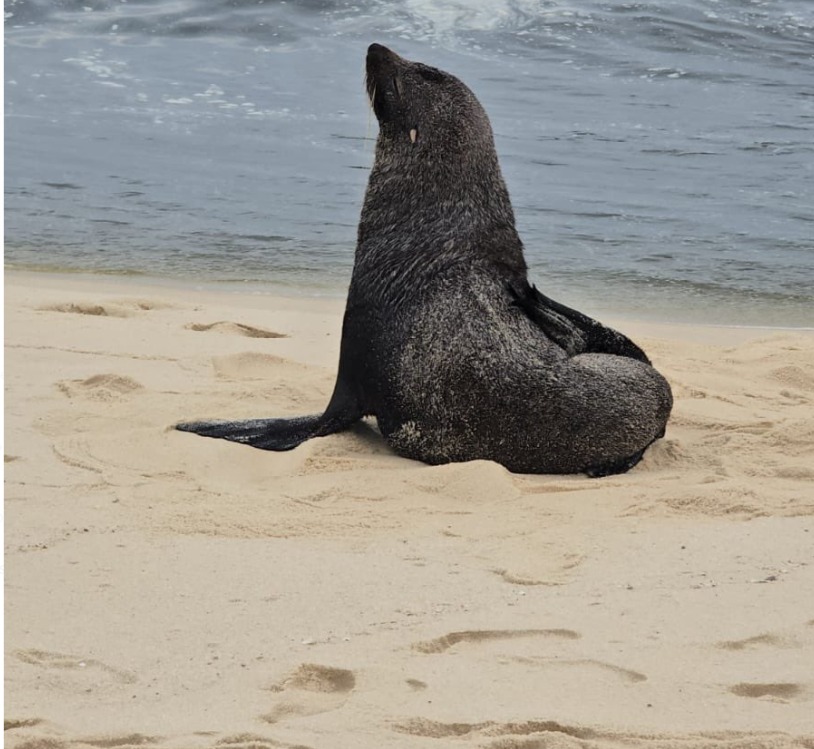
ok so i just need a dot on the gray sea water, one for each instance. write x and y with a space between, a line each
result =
660 155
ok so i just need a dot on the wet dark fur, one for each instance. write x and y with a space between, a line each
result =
444 339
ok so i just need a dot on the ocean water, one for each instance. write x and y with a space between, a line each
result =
660 155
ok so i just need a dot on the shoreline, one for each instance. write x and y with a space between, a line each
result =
269 290
168 589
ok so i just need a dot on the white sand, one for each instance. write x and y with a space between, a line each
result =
174 591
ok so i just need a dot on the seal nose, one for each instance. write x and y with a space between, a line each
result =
380 58
377 53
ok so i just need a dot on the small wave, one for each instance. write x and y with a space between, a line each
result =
444 17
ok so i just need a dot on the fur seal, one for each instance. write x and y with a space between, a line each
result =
444 339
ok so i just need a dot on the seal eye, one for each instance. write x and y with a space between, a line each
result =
396 87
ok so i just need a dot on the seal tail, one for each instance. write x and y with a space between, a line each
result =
265 434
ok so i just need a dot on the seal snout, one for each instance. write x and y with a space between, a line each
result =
378 53
380 63
382 82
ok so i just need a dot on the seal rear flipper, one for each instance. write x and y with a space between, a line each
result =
573 331
285 434
266 434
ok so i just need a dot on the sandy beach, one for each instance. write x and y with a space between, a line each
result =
166 590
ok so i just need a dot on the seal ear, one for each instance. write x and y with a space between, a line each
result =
433 75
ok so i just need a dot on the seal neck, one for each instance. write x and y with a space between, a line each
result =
417 222
423 199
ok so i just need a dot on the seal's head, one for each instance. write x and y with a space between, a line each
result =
436 171
422 108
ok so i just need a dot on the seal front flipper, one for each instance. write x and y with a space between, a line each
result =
572 330
557 327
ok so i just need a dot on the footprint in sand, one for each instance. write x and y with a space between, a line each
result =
587 668
253 741
515 579
310 690
73 669
121 742
129 741
795 473
541 729
557 576
773 691
540 734
100 387
779 691
122 308
757 641
253 366
793 376
432 729
12 723
441 644
234 328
